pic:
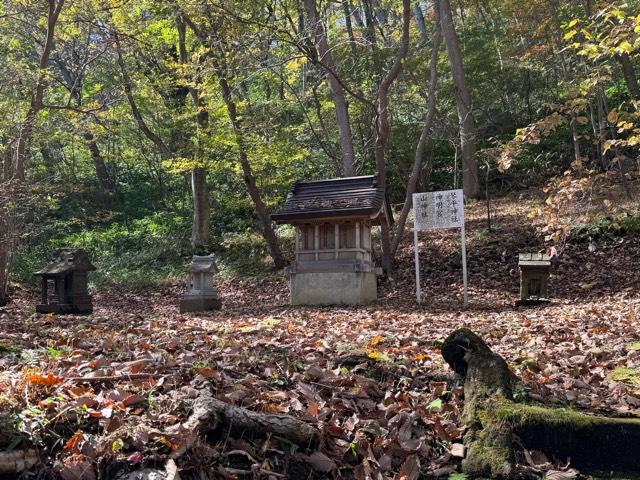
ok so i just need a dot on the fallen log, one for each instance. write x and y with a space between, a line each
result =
496 423
17 461
210 414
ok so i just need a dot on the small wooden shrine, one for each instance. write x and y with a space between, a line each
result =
333 220
534 278
64 283
201 294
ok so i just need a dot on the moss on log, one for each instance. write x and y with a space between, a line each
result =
495 421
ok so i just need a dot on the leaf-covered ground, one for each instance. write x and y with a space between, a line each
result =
371 379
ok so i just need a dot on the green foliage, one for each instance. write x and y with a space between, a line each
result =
610 226
133 254
7 348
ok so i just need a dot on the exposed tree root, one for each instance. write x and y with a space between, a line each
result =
495 421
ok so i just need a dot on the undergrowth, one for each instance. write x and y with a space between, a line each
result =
627 223
146 251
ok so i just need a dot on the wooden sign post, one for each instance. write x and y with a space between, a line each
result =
434 211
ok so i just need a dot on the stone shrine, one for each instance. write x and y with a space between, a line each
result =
534 278
333 221
64 283
201 294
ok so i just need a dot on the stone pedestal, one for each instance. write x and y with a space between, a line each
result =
333 288
195 303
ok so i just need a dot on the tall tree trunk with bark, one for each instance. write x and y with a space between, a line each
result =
422 26
199 188
347 9
247 173
629 74
422 141
575 135
200 194
470 181
6 239
26 130
328 64
105 180
382 126
211 41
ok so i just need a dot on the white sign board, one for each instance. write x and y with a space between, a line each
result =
435 210
438 210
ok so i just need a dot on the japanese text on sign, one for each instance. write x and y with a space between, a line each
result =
435 210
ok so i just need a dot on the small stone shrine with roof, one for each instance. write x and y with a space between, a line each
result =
534 278
333 220
201 294
64 283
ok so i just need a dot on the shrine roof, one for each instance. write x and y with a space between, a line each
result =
65 260
338 197
534 260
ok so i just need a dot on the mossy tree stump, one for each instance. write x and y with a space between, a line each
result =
495 421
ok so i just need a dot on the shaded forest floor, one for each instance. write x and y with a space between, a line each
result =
372 378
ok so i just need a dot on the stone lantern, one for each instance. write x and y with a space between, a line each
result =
534 278
201 294
67 277
333 258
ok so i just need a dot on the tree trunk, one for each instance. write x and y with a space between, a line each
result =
328 64
26 130
7 157
105 180
128 90
248 177
422 26
470 181
199 188
382 126
629 75
4 267
347 8
496 424
422 141
201 211
211 41
7 232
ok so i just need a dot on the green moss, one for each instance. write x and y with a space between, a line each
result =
7 348
626 375
490 451
633 346
521 416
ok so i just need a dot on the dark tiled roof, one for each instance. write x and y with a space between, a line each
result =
65 260
338 197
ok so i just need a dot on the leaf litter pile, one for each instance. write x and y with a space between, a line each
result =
113 395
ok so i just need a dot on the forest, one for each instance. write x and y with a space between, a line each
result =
210 250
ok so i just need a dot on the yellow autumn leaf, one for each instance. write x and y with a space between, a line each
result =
376 340
625 47
569 35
